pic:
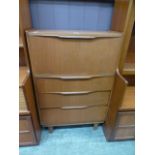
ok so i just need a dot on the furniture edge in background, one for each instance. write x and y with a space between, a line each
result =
30 135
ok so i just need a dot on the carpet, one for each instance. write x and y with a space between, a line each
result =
78 140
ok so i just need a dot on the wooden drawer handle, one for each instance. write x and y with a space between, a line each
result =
76 37
84 77
74 93
24 131
126 126
74 34
73 107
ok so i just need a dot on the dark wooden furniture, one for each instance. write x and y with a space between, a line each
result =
24 24
120 120
29 127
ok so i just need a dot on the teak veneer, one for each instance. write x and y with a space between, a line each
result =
72 74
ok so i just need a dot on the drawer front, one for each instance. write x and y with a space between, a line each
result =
26 133
60 56
26 139
126 119
56 85
124 133
25 123
59 100
66 116
22 101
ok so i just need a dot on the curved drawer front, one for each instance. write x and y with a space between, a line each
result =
73 116
57 85
59 56
59 100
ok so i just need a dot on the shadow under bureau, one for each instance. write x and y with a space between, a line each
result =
74 74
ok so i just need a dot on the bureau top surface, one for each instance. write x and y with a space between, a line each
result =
75 34
23 75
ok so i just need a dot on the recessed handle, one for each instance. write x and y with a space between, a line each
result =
73 107
74 93
71 77
74 34
76 37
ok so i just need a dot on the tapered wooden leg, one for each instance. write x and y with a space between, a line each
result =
50 129
95 126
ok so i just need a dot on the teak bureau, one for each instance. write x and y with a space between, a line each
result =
74 73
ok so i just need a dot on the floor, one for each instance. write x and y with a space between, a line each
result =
79 140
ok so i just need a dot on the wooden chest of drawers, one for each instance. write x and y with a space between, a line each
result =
73 74
29 129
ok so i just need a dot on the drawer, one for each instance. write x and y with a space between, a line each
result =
22 101
76 56
79 99
124 133
25 123
125 119
57 85
76 115
26 133
26 138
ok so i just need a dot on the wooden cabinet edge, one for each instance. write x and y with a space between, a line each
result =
23 75
25 23
20 42
118 91
32 107
126 38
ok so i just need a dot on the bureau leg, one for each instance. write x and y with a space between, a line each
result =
50 129
95 126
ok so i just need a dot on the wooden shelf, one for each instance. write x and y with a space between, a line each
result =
129 66
20 42
23 113
129 69
129 99
23 75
